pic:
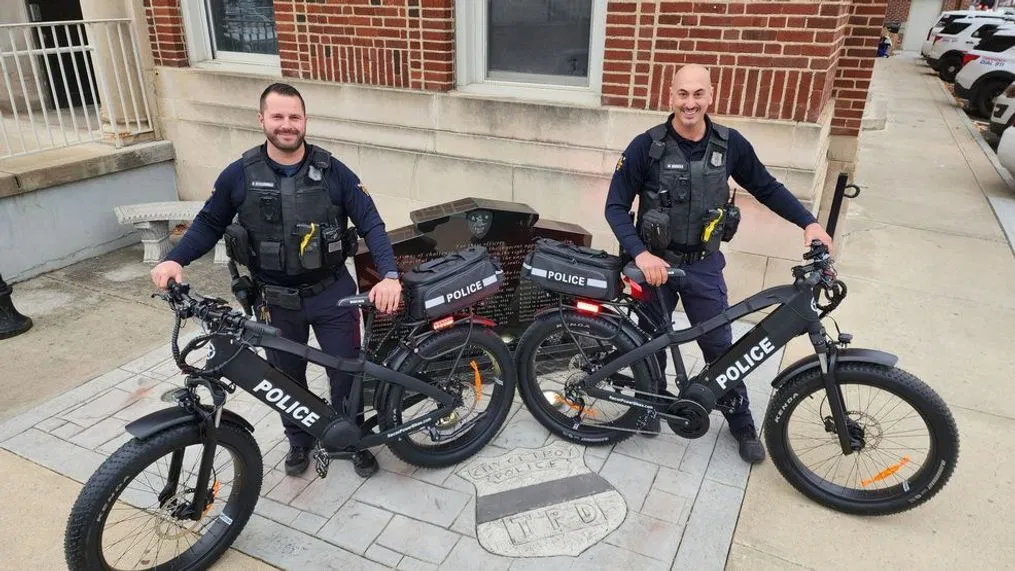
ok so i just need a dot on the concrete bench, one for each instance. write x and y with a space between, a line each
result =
153 219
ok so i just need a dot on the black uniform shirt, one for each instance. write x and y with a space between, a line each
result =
230 191
741 163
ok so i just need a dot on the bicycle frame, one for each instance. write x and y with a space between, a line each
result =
797 314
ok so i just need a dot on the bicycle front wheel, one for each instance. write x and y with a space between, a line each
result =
127 517
471 362
908 441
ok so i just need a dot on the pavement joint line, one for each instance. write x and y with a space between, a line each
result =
103 292
911 289
770 554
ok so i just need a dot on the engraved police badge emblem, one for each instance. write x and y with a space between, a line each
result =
716 159
542 502
480 222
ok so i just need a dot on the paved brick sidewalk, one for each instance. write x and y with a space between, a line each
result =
683 497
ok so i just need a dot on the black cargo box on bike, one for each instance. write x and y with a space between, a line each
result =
574 270
451 283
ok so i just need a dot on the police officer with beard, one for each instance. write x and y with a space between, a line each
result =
679 171
295 249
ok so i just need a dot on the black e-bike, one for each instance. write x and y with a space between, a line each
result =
180 491
845 426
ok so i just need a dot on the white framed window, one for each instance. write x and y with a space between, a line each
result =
533 49
231 33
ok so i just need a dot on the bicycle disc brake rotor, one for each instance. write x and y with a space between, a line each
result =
694 413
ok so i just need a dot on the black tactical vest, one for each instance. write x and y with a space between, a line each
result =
291 221
694 188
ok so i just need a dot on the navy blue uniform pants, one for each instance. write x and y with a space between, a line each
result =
337 331
704 295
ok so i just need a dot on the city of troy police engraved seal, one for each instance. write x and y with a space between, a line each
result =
542 502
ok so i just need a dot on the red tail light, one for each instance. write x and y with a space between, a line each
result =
588 307
936 38
966 58
637 292
443 323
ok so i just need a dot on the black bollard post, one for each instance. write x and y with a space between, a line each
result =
11 322
840 192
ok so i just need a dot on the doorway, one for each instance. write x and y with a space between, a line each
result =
922 15
61 36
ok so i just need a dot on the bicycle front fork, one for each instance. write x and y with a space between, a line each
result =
209 422
827 352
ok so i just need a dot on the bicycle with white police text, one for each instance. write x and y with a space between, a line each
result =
181 490
845 426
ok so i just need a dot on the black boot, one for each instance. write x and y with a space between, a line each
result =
297 461
751 449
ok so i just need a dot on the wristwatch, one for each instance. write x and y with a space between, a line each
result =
393 275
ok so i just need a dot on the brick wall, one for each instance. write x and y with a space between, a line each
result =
856 64
898 10
165 32
394 43
773 59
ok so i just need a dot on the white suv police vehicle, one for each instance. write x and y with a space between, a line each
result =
987 71
957 38
950 16
1004 111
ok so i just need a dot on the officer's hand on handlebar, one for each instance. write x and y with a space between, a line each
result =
164 271
386 295
814 231
653 267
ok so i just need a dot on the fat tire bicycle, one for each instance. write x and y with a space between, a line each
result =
200 520
606 351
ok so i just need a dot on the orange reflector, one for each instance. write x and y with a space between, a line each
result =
214 492
588 307
886 472
561 400
444 322
477 380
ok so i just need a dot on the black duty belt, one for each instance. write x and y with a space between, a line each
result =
677 258
305 290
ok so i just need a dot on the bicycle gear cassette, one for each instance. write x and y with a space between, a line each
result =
695 416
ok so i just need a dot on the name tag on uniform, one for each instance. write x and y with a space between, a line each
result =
262 184
676 166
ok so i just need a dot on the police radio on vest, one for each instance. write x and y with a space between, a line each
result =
462 292
566 278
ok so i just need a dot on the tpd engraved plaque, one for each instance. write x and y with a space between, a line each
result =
542 502
508 230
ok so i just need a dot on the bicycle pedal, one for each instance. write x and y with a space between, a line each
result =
321 462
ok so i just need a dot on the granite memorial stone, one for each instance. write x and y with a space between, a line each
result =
508 230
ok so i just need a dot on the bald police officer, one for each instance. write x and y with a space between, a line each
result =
679 170
293 248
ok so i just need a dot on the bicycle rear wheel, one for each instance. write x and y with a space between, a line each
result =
560 349
476 364
909 441
120 522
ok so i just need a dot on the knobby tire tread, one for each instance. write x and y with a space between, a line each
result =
539 331
403 448
903 385
80 549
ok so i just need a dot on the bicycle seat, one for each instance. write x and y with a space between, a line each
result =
637 276
359 300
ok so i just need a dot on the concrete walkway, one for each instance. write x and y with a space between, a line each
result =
927 265
930 276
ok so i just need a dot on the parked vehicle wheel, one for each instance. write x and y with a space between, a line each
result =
987 94
949 67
